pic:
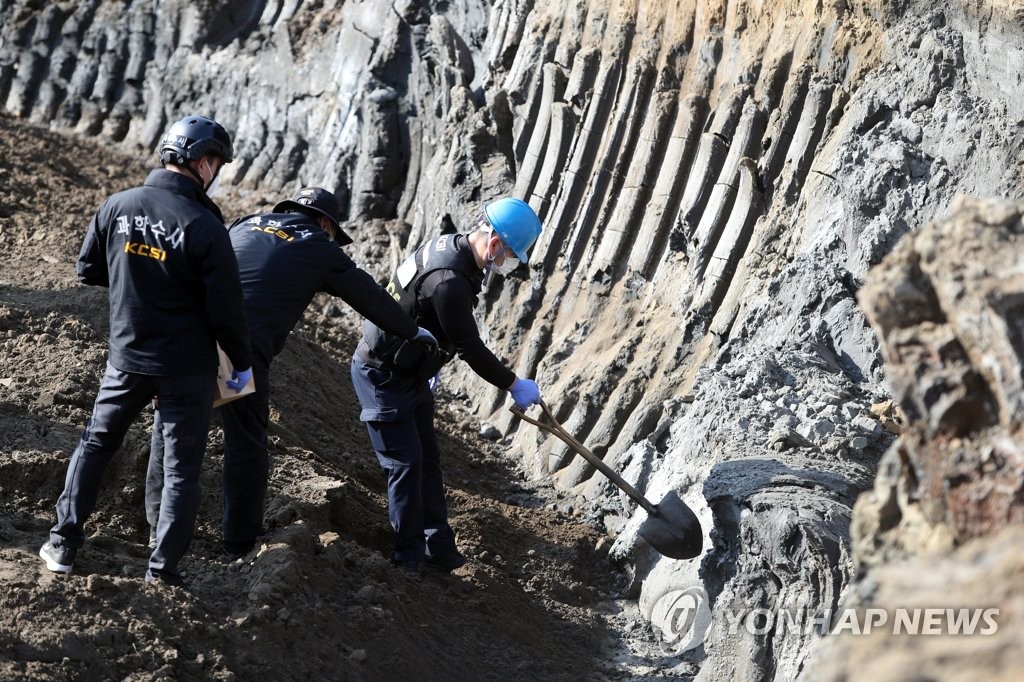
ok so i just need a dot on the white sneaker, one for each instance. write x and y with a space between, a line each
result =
58 559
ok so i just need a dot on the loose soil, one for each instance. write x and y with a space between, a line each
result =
318 599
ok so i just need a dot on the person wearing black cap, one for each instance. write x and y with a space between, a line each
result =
284 258
162 251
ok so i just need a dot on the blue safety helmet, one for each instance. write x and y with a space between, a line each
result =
516 224
193 137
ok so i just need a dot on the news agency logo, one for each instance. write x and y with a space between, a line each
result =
682 619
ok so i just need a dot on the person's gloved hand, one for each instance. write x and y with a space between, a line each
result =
434 382
239 379
426 338
525 392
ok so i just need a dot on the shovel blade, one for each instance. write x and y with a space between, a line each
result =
674 531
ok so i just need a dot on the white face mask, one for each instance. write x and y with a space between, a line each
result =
211 191
510 263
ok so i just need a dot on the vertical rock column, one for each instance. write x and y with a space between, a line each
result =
632 202
711 156
672 173
745 142
537 151
734 240
560 206
606 196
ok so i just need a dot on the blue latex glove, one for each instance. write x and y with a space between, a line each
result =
426 338
525 392
434 382
238 379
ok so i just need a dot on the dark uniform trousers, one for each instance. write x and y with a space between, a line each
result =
246 464
185 405
399 415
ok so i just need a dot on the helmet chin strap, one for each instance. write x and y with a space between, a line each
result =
194 173
490 239
208 187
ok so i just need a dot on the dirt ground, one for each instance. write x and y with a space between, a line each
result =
319 599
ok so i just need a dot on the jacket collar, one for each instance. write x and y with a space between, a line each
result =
183 185
468 261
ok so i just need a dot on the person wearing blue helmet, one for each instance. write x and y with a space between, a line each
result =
438 286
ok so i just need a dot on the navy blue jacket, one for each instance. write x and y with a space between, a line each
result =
286 258
164 253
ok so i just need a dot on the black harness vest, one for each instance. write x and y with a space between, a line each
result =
440 253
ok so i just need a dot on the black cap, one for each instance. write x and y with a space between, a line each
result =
318 200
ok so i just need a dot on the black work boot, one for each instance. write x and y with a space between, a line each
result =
444 563
410 567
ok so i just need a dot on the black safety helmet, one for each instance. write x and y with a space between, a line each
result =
318 201
193 137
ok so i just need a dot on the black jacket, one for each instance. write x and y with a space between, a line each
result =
439 285
284 259
164 253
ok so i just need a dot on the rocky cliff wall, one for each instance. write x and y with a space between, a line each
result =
941 527
715 180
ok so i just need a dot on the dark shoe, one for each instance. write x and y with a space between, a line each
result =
444 563
237 550
165 579
58 559
410 567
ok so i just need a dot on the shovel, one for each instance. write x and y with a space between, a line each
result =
671 527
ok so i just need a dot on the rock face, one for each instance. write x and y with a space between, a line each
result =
715 180
949 308
942 526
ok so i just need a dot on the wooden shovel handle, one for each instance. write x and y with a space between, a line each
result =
559 432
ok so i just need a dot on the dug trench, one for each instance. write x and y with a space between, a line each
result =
319 598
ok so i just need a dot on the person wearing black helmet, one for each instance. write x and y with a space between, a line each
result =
284 258
165 256
438 285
